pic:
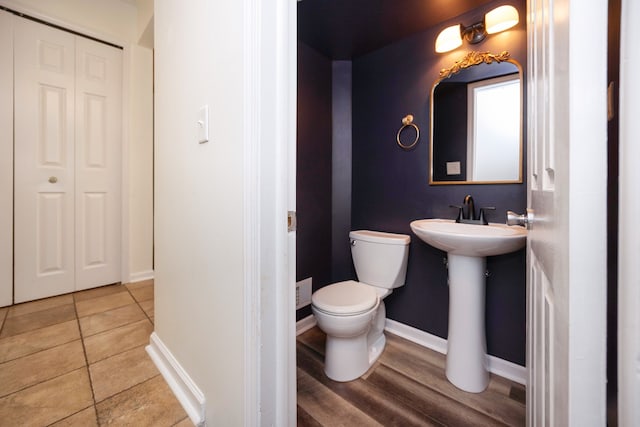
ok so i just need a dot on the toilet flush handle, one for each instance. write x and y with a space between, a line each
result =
353 242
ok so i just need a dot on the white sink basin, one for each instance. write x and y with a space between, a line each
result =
470 239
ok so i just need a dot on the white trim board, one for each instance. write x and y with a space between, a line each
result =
417 336
497 366
303 325
140 276
182 386
629 240
269 88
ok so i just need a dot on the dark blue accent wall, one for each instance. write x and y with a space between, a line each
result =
341 172
313 180
390 185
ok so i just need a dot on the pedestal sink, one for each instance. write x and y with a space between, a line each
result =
467 246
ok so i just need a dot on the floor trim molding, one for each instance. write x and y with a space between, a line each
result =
140 276
501 367
303 325
183 387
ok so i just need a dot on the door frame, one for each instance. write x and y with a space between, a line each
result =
585 401
270 88
6 158
629 234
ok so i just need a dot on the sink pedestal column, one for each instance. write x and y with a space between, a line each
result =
466 343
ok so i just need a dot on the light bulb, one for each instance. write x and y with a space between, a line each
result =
449 39
500 19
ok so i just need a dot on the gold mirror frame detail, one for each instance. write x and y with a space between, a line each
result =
473 58
469 60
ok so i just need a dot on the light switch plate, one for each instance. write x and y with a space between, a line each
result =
203 125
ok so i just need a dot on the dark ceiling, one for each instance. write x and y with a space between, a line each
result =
345 29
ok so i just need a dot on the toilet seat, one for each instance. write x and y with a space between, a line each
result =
346 298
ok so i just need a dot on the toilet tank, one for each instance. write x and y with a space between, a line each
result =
380 259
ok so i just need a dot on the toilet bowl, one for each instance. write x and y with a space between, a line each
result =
352 313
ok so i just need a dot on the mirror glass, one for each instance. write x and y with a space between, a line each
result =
476 121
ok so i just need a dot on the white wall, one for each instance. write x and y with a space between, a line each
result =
199 252
145 23
141 163
145 15
116 19
117 22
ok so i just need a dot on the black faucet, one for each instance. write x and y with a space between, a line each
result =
467 212
470 211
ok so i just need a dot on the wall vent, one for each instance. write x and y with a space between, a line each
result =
303 292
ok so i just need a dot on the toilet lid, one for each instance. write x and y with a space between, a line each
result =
349 297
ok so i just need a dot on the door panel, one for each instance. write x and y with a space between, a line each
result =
44 159
50 233
52 144
566 278
98 163
6 158
547 256
94 230
542 303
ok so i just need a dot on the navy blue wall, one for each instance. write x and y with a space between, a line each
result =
341 172
313 182
390 186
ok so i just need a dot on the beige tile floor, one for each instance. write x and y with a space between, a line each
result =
79 360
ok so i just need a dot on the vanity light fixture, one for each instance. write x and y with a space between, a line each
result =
499 19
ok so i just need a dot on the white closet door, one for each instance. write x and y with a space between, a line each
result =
6 158
44 161
68 139
98 163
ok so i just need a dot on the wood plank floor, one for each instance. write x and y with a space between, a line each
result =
405 387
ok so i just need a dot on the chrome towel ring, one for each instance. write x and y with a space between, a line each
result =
407 121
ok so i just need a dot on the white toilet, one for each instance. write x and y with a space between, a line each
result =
351 313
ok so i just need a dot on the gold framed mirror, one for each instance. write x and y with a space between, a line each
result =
476 134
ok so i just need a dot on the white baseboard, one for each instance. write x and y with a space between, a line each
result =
140 276
183 387
509 370
417 336
303 325
501 367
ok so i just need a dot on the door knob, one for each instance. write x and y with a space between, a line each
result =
525 220
53 179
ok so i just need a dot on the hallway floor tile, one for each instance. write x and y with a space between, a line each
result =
80 360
